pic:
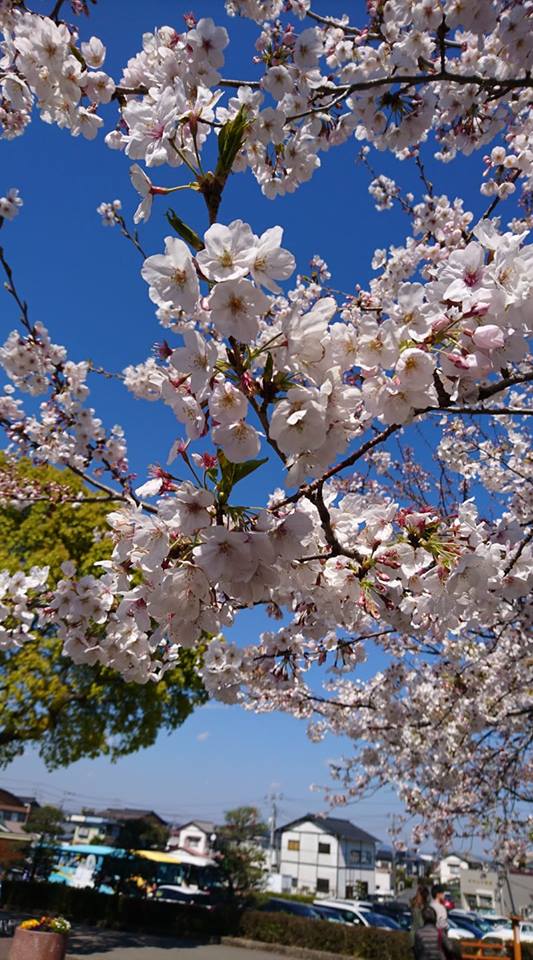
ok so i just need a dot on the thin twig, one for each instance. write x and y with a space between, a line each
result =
109 490
11 289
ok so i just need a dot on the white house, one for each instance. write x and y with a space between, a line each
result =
196 836
327 855
384 872
451 867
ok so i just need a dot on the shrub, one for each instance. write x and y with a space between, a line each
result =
367 942
120 912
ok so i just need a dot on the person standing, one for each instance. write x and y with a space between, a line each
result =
419 901
437 904
430 943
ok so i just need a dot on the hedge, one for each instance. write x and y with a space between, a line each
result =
119 912
367 942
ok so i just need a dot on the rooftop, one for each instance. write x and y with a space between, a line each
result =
9 800
130 813
335 826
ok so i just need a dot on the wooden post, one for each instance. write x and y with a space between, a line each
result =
517 946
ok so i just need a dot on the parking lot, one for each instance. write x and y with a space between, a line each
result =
111 945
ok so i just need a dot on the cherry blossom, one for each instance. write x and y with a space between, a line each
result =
389 420
171 276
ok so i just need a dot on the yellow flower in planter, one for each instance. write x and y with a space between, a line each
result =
47 924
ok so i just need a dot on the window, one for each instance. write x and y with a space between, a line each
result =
322 885
293 844
361 856
192 841
349 893
294 882
324 847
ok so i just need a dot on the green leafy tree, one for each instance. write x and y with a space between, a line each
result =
142 834
47 821
68 711
242 860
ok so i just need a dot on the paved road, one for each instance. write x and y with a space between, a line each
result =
108 945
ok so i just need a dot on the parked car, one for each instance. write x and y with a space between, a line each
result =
397 911
504 934
360 916
449 902
380 920
294 907
467 923
458 932
493 920
332 914
168 893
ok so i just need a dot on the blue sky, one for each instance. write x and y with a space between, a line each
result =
83 282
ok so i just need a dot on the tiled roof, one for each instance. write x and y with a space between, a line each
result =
335 826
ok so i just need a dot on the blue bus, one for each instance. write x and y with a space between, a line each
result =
77 865
80 865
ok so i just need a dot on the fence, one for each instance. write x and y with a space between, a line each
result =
484 950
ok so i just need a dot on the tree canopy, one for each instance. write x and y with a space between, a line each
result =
65 710
242 861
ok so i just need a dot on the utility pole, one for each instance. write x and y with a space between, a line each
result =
394 863
273 799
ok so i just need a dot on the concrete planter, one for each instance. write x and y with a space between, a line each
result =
38 945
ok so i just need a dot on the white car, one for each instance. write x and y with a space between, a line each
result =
360 916
456 932
355 904
505 932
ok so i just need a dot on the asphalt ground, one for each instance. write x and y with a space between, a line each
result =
114 945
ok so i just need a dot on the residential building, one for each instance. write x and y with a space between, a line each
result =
196 836
384 871
327 855
500 893
451 867
117 816
397 870
13 809
86 828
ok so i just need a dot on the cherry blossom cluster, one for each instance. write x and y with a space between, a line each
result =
42 65
17 597
13 495
461 71
64 431
358 550
10 204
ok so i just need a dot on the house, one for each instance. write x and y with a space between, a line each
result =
397 870
488 891
450 867
13 809
116 817
14 844
86 828
326 855
196 836
384 871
